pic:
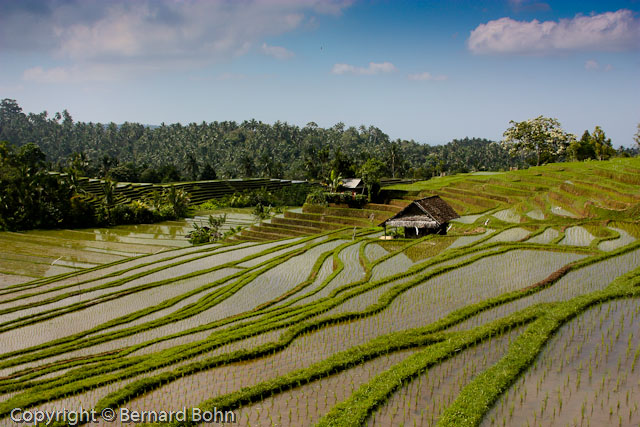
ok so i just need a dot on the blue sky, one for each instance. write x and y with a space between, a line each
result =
430 71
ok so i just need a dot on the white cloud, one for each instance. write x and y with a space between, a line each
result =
373 68
159 34
277 52
190 29
426 76
40 75
610 31
591 64
86 73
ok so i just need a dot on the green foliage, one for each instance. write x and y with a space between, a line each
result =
208 173
31 197
602 145
204 234
352 200
592 146
138 153
582 149
136 212
82 212
538 140
262 212
126 172
317 197
178 199
293 195
371 172
109 190
334 180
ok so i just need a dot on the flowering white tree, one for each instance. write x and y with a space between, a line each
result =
542 137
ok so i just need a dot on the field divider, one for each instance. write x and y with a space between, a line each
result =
440 346
187 351
120 282
142 364
47 280
475 399
355 410
187 311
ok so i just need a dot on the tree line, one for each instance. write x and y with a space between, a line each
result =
221 150
133 152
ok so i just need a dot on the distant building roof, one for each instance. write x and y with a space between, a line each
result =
430 212
351 182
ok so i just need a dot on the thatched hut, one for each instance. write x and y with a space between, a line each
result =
425 216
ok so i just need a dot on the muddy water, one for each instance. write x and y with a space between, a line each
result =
422 400
587 374
587 279
306 404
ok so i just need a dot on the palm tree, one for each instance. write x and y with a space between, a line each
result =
109 189
335 180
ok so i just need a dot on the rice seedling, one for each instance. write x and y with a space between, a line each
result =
624 239
374 251
510 235
577 236
471 239
536 214
468 219
322 395
556 362
584 280
507 215
557 210
547 236
423 398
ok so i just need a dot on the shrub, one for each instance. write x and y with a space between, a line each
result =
317 197
293 195
141 212
82 213
178 199
206 234
351 199
121 214
261 212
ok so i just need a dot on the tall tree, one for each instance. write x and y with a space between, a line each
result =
541 137
371 172
208 173
394 157
602 145
13 122
583 148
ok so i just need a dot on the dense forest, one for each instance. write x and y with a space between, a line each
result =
132 152
135 152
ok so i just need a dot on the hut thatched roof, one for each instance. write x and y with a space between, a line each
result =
430 212
352 183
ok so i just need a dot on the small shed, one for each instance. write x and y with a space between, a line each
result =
425 216
352 184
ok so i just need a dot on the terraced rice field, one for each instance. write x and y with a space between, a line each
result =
513 318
